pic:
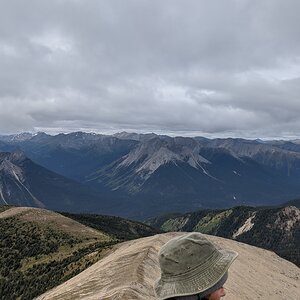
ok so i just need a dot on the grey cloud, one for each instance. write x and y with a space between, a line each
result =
210 67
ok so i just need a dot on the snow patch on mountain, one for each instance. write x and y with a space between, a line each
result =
24 136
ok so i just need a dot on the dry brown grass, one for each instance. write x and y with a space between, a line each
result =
54 221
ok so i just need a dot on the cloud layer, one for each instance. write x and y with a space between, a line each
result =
184 67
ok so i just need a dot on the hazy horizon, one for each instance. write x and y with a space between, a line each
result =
171 134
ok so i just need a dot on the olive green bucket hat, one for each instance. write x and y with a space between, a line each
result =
190 265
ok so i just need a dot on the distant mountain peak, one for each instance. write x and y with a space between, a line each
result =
156 152
134 136
17 155
15 138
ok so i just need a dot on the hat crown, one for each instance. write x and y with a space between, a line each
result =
191 265
182 255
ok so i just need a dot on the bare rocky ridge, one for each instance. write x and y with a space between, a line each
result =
157 152
130 269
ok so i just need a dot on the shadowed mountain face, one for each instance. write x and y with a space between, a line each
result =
145 175
72 155
25 183
282 156
181 174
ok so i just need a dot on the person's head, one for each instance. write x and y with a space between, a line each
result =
192 268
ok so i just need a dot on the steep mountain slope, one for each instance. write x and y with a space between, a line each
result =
40 249
145 159
140 176
271 154
6 147
277 229
166 174
287 145
250 181
129 272
23 182
73 155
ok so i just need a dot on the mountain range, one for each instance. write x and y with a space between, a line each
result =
144 175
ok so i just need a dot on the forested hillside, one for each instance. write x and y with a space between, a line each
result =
120 228
277 229
40 249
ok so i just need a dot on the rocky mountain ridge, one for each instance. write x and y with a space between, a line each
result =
145 175
276 229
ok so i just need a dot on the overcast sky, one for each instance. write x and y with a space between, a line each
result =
189 67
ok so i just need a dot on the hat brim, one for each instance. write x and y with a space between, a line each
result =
198 280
